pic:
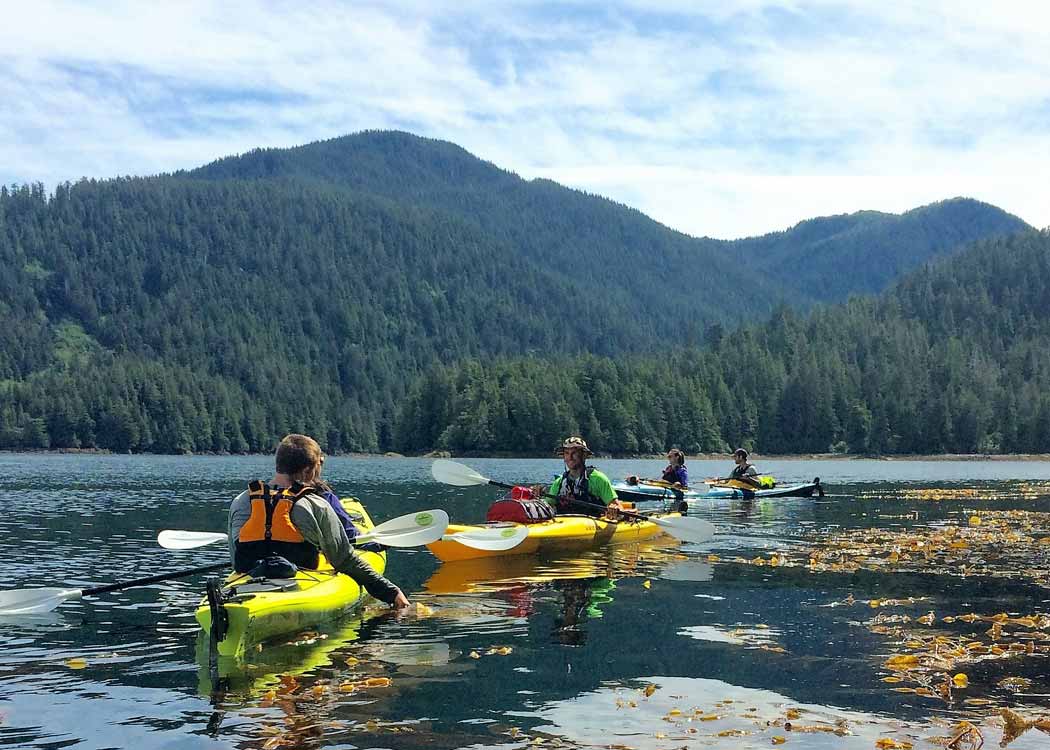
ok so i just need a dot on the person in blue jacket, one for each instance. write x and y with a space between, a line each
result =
676 473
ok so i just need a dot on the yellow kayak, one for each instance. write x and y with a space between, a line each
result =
258 609
564 533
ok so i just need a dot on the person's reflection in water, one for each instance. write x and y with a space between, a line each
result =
581 599
521 599
742 510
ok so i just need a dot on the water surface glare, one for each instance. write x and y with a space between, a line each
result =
829 622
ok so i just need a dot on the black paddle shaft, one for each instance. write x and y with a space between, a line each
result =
624 513
154 579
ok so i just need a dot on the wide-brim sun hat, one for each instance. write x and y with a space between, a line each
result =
573 443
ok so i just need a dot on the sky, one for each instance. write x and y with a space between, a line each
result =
721 119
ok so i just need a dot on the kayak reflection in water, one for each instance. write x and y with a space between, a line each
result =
582 488
291 518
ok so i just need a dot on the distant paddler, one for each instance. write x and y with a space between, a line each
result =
581 488
743 472
675 475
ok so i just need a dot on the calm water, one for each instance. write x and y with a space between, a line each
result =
543 651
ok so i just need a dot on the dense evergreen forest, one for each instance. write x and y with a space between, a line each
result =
310 289
621 249
954 359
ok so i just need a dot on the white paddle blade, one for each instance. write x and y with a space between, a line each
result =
450 472
172 539
694 530
494 539
34 601
412 530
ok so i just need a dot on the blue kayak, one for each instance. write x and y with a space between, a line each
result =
652 491
788 490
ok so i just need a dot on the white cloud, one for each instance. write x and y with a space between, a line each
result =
717 119
718 205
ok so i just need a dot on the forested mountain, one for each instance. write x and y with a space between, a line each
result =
305 289
833 257
824 259
955 358
207 315
603 248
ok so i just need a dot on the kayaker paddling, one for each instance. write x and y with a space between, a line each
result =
582 487
744 471
291 517
675 474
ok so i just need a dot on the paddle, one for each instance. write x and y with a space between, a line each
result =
37 601
736 484
633 481
494 539
412 530
670 491
687 529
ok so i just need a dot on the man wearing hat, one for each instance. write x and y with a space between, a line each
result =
582 488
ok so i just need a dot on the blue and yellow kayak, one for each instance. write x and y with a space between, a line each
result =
732 488
655 490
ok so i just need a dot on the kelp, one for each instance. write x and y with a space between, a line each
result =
935 655
1013 544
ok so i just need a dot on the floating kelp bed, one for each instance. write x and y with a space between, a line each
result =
669 713
1012 544
1028 490
983 665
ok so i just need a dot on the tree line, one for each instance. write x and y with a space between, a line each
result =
954 359
346 288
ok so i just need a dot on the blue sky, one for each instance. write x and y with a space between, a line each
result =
716 118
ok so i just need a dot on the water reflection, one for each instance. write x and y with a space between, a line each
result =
662 712
580 600
579 587
499 648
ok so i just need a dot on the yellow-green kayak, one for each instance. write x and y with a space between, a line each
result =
259 609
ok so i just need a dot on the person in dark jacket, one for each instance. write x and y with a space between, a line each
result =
676 473
744 471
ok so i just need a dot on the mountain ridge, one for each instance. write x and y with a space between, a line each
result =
214 310
790 262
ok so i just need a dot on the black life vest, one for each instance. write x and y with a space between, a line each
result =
576 497
740 472
269 529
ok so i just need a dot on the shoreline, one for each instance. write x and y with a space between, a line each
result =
1033 457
